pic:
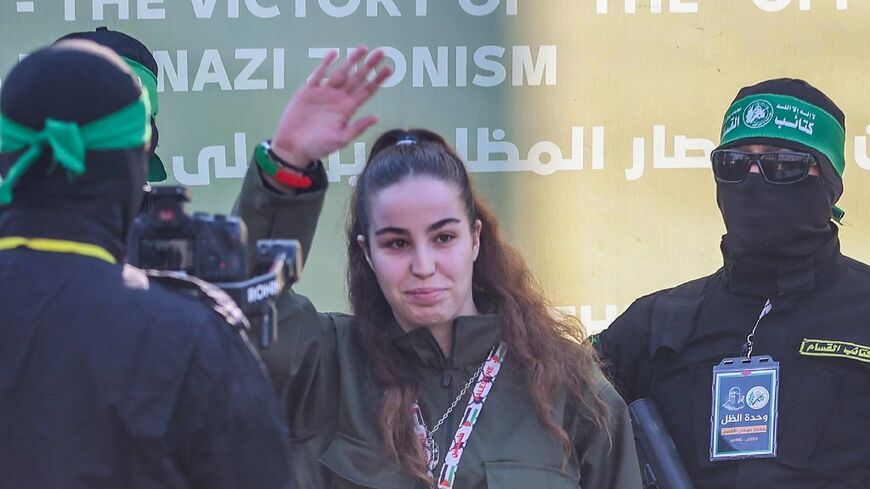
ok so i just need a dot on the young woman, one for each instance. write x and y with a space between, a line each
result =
453 371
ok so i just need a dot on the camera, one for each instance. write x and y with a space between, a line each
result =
164 237
171 245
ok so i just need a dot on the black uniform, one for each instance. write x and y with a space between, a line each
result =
781 246
107 381
666 344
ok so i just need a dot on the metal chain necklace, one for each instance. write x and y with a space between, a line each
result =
427 436
430 435
485 376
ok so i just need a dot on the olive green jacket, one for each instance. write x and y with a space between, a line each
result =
331 401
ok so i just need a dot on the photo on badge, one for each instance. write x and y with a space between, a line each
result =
744 419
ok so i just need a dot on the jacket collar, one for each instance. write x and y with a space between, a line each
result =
473 338
760 279
59 224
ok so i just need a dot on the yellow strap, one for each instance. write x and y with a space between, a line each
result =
57 246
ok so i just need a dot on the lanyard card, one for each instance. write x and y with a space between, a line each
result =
745 396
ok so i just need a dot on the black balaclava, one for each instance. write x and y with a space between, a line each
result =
772 226
81 82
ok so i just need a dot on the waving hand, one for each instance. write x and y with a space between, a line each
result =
318 119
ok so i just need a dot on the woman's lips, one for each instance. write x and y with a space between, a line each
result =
425 295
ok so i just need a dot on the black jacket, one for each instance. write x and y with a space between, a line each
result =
666 344
109 381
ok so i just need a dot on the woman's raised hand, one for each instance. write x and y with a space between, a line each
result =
317 120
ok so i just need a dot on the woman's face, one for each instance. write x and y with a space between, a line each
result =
422 249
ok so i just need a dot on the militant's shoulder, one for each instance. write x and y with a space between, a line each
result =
635 323
861 268
636 317
692 288
186 305
209 294
852 285
695 287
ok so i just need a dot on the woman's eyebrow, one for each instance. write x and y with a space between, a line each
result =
442 223
391 230
430 228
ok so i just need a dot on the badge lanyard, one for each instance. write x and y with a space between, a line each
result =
746 351
745 398
485 379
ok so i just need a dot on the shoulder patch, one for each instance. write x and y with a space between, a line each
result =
835 348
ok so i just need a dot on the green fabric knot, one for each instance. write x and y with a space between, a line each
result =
63 137
66 142
127 128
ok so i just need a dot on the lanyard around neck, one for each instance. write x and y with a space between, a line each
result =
57 246
746 351
488 372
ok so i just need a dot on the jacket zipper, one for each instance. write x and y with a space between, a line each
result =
447 381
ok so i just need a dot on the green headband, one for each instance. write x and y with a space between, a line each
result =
769 115
148 82
127 128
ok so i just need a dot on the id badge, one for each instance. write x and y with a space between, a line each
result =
745 396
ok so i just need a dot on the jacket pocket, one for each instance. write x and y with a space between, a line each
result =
823 423
359 464
518 475
803 414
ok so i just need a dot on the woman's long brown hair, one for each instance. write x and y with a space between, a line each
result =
550 349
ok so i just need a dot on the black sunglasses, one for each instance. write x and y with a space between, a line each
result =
783 167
